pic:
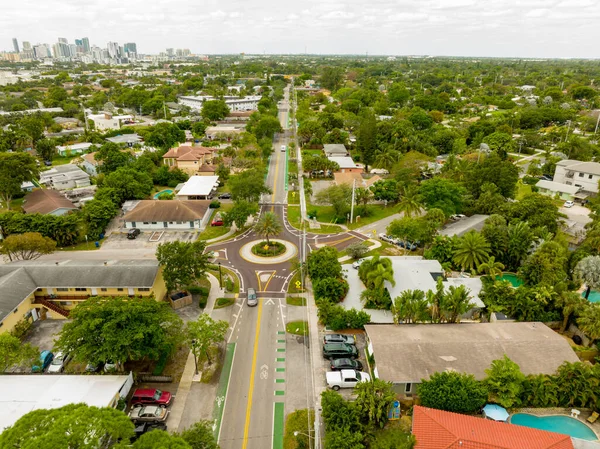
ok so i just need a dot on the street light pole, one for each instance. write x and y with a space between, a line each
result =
220 276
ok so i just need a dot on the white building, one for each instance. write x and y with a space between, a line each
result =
199 188
108 121
64 177
21 394
168 215
76 148
584 175
249 103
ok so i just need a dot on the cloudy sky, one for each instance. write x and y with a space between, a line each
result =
526 28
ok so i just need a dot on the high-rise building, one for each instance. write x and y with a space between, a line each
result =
170 52
41 51
26 46
16 45
62 40
86 45
79 45
113 50
73 50
130 47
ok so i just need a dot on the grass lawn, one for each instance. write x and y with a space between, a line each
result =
522 190
292 285
326 214
312 153
293 198
223 302
83 246
295 301
212 232
297 327
58 160
300 421
16 204
294 219
226 272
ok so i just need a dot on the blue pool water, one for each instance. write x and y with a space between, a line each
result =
555 423
156 195
594 296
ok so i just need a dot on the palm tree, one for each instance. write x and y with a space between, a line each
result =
570 302
457 302
588 270
386 158
268 224
379 274
410 307
491 268
589 321
410 202
520 238
472 249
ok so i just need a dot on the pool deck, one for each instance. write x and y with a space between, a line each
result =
585 414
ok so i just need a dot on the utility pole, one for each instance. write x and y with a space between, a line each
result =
86 122
352 204
597 122
568 129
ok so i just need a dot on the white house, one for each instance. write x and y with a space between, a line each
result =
108 121
168 215
346 164
63 177
198 188
76 148
579 174
551 188
248 103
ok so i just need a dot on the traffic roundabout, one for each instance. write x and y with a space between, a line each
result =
290 251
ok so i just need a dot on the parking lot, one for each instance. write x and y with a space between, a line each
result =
119 240
43 333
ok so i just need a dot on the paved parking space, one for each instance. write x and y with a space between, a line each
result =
43 333
119 240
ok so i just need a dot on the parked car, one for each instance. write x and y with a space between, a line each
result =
339 338
110 366
146 427
46 358
217 221
383 237
59 362
547 178
151 396
225 196
92 367
282 147
148 413
346 378
252 300
358 263
457 217
411 246
340 364
48 163
133 233
339 351
569 204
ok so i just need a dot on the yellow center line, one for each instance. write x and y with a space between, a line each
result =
275 180
269 280
259 283
336 242
251 389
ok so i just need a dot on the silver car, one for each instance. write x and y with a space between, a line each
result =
252 300
148 413
59 362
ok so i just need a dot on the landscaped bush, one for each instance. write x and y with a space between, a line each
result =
332 289
336 317
453 392
214 204
530 180
273 249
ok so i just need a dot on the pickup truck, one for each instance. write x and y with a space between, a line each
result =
346 378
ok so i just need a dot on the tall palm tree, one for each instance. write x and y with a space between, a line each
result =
491 268
457 302
379 274
268 224
410 201
386 158
588 270
520 238
472 249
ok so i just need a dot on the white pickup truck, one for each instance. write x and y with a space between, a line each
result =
346 378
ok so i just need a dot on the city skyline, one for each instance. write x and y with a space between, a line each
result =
527 28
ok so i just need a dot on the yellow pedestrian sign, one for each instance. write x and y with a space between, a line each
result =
374 232
298 285
293 194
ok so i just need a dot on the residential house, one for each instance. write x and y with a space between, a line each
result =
189 158
63 177
90 164
127 140
34 289
235 103
168 215
408 353
73 149
553 189
584 175
198 188
346 164
47 202
438 429
107 121
223 132
335 149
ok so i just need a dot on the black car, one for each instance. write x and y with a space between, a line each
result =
340 364
147 427
225 196
338 338
133 233
339 351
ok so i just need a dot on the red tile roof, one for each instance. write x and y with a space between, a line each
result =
437 429
186 152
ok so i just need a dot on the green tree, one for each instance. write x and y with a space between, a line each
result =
97 215
204 334
393 438
520 238
215 110
589 321
159 439
386 158
492 170
588 270
444 194
323 263
331 289
119 329
164 136
410 201
239 213
111 157
72 426
266 126
268 225
248 186
385 190
504 382
46 149
500 142
14 352
337 196
471 250
183 263
357 250
129 184
540 391
15 169
331 78
537 210
379 274
411 307
373 401
26 246
34 126
546 266
456 303
491 268
200 436
453 392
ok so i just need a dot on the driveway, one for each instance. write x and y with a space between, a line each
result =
119 240
577 218
43 333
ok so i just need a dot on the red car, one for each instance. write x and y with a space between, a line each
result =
217 222
151 396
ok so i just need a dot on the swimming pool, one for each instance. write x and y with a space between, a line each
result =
555 423
514 280
156 195
594 296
